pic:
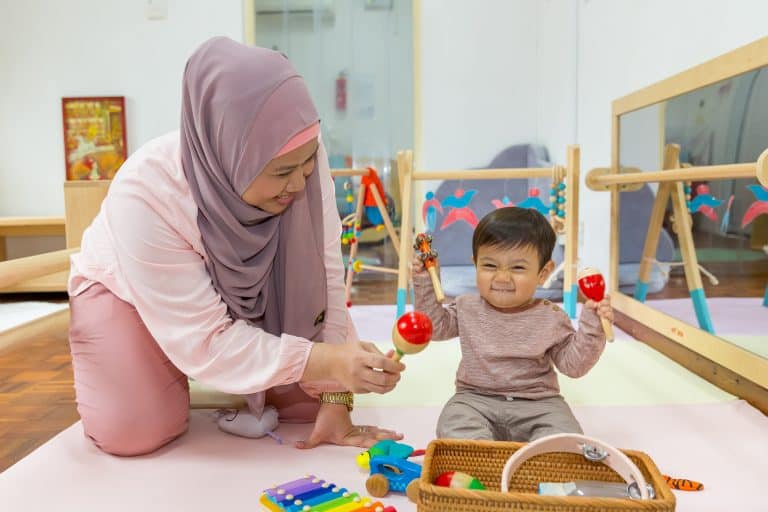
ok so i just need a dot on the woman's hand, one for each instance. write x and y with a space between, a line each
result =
334 426
359 367
603 308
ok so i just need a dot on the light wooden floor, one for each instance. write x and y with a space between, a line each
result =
36 388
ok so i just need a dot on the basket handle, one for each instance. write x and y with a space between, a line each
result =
592 449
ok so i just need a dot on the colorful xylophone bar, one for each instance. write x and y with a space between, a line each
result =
313 494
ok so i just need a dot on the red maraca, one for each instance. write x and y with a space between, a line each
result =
592 285
411 334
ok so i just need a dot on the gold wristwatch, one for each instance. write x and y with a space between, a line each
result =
338 397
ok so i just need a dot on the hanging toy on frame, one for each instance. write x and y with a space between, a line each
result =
703 203
459 208
502 203
557 197
349 230
534 202
349 190
372 212
759 207
726 216
429 211
505 201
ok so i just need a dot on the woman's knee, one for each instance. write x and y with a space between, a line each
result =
128 435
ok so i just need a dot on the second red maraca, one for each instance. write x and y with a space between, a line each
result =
592 285
411 334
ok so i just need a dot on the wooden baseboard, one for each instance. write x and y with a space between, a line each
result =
51 283
57 322
707 369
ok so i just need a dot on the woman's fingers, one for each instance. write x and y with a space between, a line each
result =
371 371
376 359
385 364
371 387
366 436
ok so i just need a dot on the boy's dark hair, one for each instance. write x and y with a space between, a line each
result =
512 227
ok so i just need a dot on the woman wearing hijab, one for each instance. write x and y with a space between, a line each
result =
216 256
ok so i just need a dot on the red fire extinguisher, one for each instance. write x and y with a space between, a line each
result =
341 92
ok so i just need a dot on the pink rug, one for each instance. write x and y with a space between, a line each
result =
724 445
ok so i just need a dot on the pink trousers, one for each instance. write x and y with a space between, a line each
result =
132 400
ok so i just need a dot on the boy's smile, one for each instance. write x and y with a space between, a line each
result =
507 278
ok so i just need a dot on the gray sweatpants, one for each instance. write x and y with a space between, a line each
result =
469 415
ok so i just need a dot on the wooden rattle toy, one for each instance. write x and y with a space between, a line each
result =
423 244
592 285
411 333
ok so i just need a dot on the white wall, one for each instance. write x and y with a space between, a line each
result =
374 47
556 78
495 73
479 89
50 49
628 44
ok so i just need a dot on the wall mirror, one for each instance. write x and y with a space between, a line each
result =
709 127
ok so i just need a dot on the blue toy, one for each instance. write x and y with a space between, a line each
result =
395 474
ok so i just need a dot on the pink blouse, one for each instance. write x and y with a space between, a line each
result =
145 247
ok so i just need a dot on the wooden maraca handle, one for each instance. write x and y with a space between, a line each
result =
439 295
607 329
397 355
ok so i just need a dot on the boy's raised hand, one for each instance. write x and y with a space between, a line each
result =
417 266
602 308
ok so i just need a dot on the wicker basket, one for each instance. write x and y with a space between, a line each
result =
485 460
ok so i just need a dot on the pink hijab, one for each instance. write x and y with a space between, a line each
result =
240 106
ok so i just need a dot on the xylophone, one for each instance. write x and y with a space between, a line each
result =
313 494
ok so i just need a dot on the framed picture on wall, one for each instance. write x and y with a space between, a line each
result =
94 136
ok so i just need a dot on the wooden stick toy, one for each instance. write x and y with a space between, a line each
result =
411 334
423 244
592 285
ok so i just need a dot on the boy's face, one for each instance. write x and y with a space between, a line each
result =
508 278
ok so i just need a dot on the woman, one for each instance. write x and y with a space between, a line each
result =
216 256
